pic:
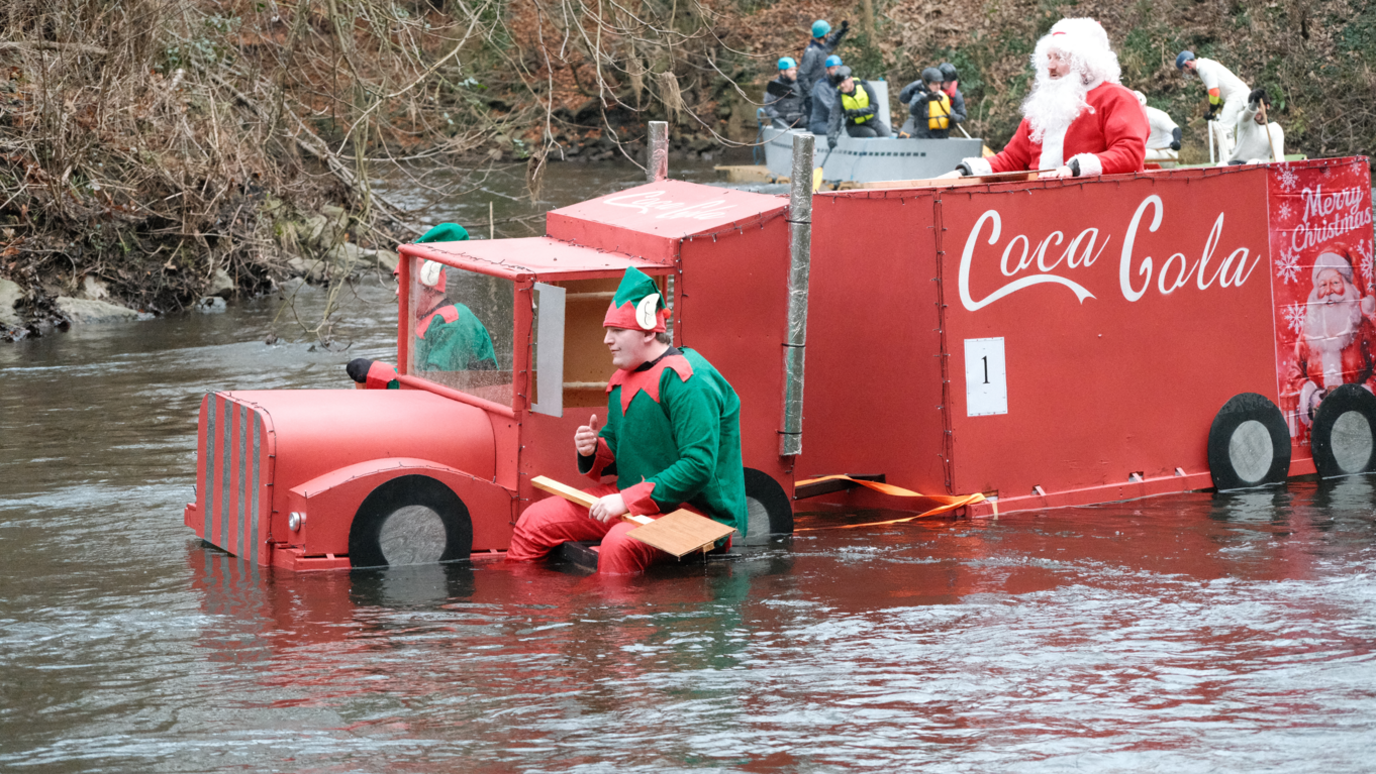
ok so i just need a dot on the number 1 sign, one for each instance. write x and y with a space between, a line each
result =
986 388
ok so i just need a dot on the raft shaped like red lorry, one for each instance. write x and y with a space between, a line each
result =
1043 342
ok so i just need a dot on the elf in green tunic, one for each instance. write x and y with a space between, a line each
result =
449 337
672 439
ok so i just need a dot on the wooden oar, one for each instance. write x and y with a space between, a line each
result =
1270 144
994 177
678 533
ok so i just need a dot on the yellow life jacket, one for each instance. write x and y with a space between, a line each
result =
939 113
856 100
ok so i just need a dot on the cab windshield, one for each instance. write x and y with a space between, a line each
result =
462 330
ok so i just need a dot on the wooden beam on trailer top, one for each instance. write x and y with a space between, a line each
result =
998 177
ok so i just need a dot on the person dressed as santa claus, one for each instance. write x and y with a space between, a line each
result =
1078 120
1336 345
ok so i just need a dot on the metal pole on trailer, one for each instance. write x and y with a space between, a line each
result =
657 161
800 255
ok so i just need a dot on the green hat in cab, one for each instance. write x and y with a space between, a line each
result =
445 232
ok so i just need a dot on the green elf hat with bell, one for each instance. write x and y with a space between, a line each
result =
432 273
445 232
637 304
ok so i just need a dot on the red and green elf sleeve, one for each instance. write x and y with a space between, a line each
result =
673 433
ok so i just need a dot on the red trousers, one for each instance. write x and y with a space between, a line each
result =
555 520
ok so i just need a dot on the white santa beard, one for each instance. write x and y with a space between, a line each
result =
1329 327
1050 108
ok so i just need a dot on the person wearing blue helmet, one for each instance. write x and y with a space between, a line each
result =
821 46
1227 95
784 98
824 97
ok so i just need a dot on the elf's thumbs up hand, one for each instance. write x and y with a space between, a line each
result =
585 439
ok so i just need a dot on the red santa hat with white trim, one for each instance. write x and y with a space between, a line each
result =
1338 256
1086 43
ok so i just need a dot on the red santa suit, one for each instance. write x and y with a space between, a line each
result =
1108 137
1355 363
1337 349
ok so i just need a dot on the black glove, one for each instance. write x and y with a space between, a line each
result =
358 369
776 89
1213 110
1256 96
1074 167
845 25
1175 139
831 141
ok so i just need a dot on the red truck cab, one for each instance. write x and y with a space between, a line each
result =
441 469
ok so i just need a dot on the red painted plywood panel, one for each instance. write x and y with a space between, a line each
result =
650 220
1130 310
732 307
873 390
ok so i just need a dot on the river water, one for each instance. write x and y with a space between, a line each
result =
1188 633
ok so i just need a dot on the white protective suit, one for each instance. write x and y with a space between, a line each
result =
1253 143
1232 91
1162 129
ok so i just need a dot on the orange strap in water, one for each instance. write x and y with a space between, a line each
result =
948 502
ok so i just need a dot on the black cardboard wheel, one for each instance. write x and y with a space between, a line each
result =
410 520
1344 433
768 507
1249 443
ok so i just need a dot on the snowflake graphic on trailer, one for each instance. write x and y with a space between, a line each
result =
1294 317
1285 210
1288 178
1288 267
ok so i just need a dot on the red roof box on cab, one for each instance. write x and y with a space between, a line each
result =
652 220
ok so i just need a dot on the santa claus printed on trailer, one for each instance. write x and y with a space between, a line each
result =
1322 254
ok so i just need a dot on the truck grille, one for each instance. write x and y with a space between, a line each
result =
233 476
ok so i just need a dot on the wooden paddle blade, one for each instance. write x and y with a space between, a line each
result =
681 532
577 496
563 490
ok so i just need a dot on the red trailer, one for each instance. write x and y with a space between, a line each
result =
1044 343
1053 343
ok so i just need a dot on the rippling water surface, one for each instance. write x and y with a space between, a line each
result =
1190 633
